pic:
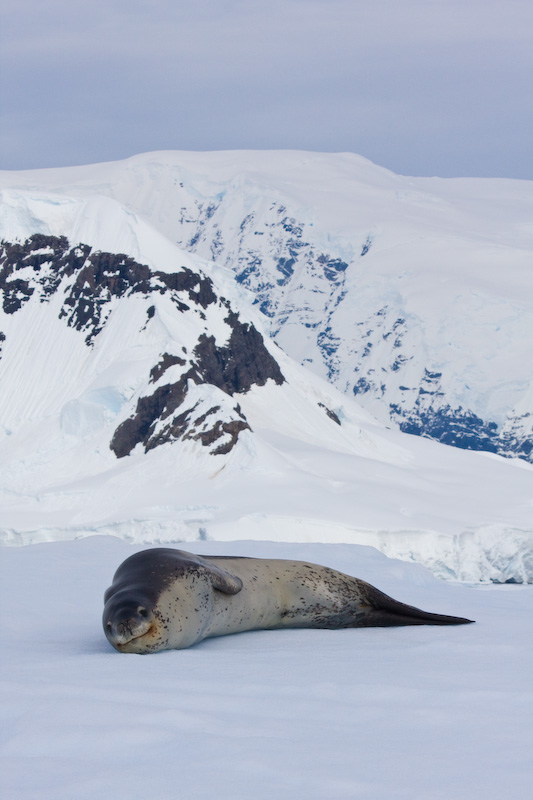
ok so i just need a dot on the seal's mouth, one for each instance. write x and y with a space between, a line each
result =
124 646
126 632
143 643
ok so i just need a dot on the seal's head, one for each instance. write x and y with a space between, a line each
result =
129 623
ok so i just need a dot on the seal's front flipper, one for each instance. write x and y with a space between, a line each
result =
223 580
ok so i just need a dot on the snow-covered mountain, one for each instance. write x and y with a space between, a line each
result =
140 397
413 294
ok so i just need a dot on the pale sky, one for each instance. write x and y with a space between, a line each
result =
423 87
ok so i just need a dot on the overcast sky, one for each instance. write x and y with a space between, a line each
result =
423 87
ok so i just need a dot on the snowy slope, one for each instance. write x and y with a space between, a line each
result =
376 714
414 294
140 398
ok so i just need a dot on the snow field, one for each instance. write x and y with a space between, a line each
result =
414 713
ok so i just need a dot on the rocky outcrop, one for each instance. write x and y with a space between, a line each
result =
44 263
91 283
232 368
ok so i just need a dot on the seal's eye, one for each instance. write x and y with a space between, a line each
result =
108 626
142 611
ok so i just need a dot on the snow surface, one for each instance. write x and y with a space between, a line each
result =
422 713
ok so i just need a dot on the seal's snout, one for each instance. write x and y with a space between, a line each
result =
126 622
124 629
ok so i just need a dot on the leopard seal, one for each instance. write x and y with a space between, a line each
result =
165 599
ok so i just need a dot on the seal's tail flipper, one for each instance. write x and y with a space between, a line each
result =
384 611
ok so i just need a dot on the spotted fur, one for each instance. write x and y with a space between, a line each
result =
164 599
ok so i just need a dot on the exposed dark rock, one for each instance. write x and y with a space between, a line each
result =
150 313
16 293
328 342
367 245
286 267
176 429
457 427
246 222
513 440
362 386
233 368
50 260
149 411
108 275
398 363
203 214
236 367
199 288
104 276
266 308
98 277
251 266
201 429
291 226
200 420
219 430
331 414
165 362
332 266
